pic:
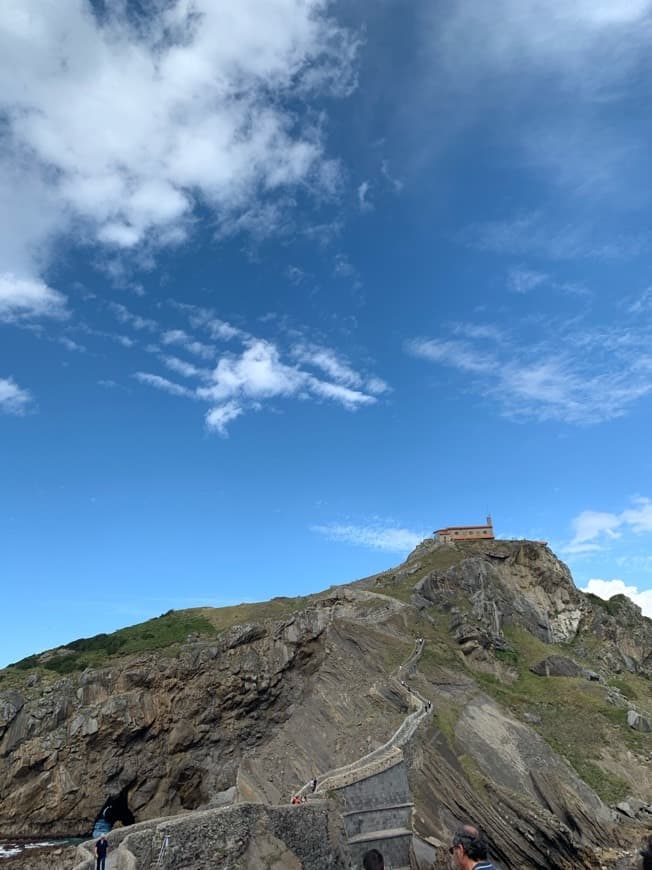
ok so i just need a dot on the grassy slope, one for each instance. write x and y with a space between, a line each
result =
575 718
162 633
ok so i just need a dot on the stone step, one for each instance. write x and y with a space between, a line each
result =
388 834
378 809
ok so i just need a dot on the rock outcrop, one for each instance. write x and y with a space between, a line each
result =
252 715
170 731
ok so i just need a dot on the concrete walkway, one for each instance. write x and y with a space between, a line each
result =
385 754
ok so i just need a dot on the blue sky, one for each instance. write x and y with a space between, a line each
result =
286 285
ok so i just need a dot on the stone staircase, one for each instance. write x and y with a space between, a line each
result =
373 791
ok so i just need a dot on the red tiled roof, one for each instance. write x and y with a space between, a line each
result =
459 528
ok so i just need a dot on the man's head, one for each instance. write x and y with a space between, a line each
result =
469 846
373 860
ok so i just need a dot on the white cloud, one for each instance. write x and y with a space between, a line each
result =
395 183
642 303
219 417
182 339
364 203
69 344
456 353
639 517
242 382
549 369
124 315
343 267
295 275
591 524
351 399
607 588
536 234
339 369
164 384
522 280
121 129
329 362
25 297
377 386
181 367
218 329
490 58
594 526
13 399
572 39
373 537
257 373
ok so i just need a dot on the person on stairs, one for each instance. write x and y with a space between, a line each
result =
468 850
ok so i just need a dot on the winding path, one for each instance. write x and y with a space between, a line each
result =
385 753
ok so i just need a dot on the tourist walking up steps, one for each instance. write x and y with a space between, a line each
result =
101 848
373 860
468 850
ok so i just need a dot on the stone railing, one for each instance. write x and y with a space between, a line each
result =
385 754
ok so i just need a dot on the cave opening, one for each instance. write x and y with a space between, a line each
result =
115 809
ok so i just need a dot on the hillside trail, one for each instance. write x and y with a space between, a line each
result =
422 707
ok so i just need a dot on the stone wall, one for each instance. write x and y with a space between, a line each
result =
377 813
249 836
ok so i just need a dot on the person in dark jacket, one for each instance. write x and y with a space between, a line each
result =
101 848
468 850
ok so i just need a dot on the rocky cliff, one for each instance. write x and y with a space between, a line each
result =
544 755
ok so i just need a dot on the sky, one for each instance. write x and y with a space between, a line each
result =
285 285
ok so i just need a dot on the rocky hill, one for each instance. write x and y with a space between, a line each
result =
539 728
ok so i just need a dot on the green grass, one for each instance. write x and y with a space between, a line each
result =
399 586
626 689
161 633
570 709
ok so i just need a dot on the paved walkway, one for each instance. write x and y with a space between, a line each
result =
385 754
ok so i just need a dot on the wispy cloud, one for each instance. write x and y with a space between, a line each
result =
364 200
295 275
218 329
125 316
373 537
262 372
561 371
493 57
219 418
187 369
181 338
522 280
533 233
71 345
642 303
14 399
337 367
164 384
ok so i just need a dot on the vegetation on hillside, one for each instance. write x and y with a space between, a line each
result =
160 633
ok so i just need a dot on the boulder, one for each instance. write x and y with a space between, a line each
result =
557 666
638 722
